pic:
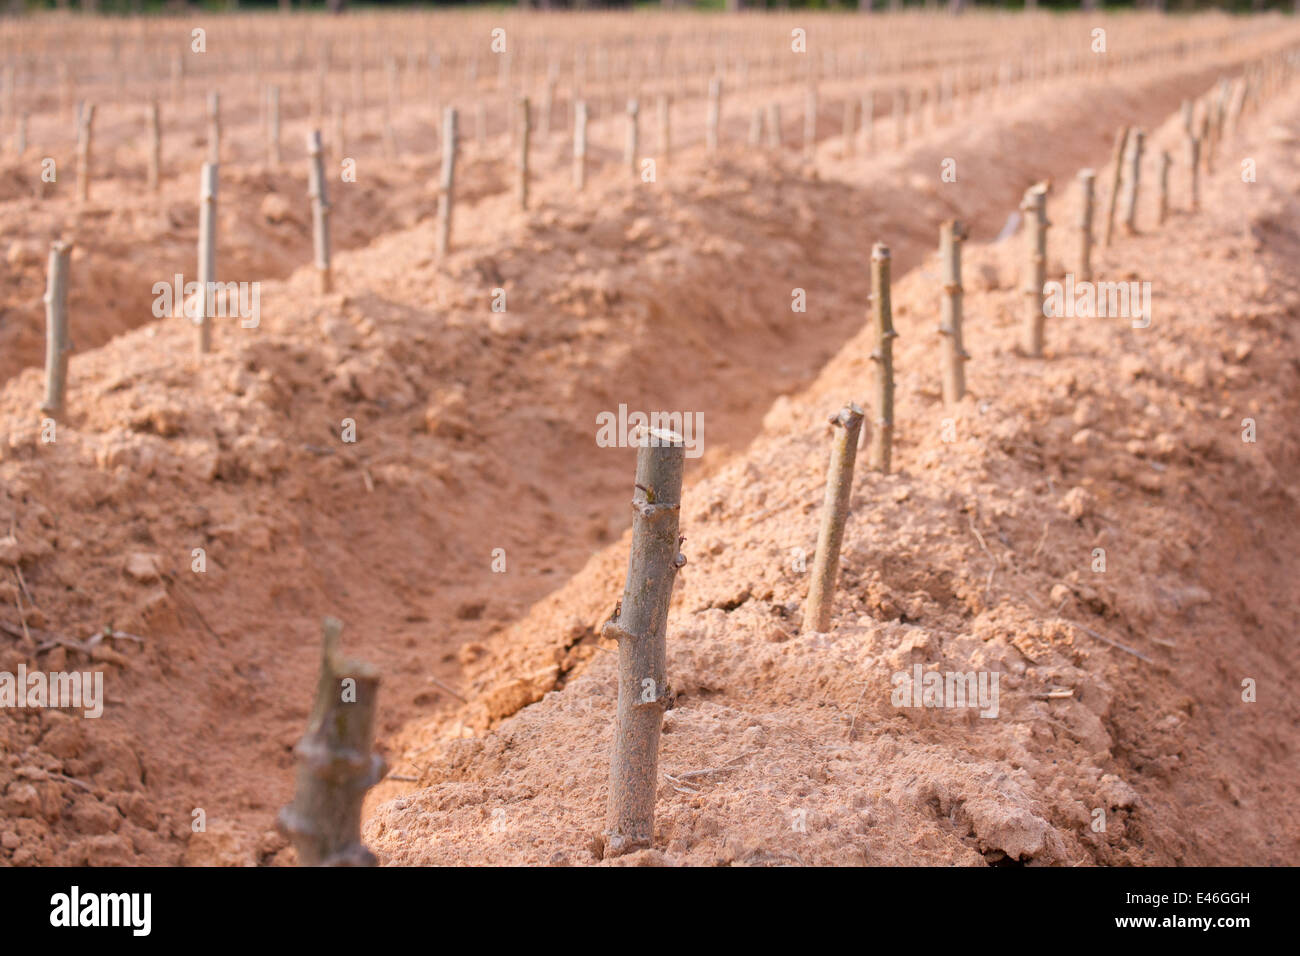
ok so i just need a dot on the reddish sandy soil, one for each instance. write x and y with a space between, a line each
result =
475 432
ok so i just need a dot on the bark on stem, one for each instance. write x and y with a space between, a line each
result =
320 210
1207 143
214 127
155 148
1162 176
835 509
900 118
1087 183
954 356
1136 144
335 763
633 144
774 125
580 145
207 253
85 129
273 131
1034 206
57 345
810 122
640 625
847 133
1117 168
879 455
448 183
665 127
714 118
525 133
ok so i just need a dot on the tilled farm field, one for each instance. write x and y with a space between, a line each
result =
412 447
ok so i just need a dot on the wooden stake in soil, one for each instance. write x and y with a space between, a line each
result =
1194 169
846 131
639 624
85 128
580 145
155 148
57 345
337 148
1117 166
835 509
951 234
665 128
525 132
1034 206
900 118
1162 175
548 109
273 130
214 128
715 114
633 143
449 146
756 127
810 122
207 253
335 763
883 326
1087 182
869 119
1136 143
774 125
320 210
1207 144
